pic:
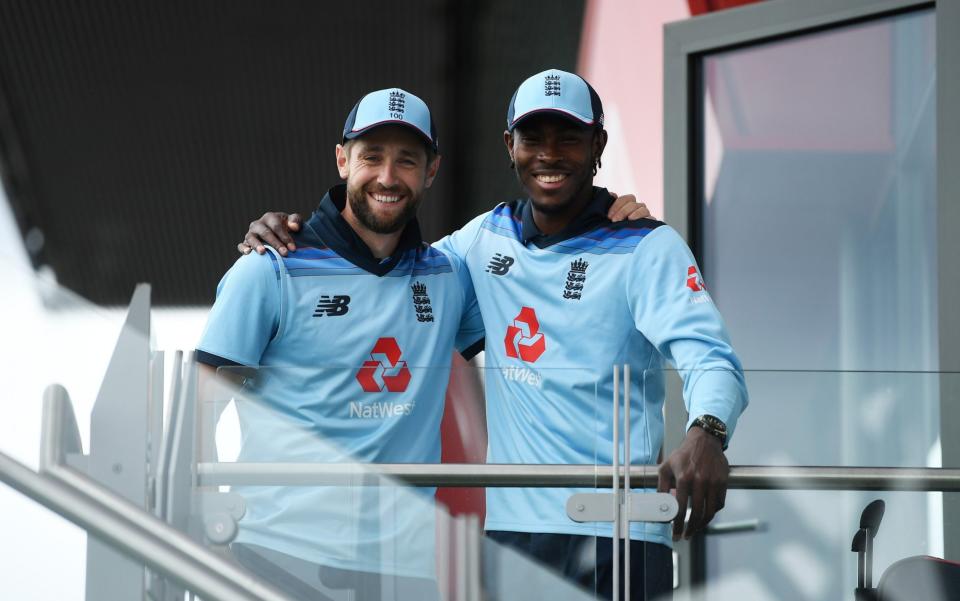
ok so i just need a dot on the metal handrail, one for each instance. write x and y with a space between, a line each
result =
749 477
132 530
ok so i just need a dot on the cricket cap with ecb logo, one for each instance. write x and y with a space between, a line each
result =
558 92
391 106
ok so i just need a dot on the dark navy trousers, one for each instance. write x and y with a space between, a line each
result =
588 561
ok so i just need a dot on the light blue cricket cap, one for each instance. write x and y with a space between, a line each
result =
391 106
555 91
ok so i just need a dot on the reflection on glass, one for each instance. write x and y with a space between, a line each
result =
814 527
818 232
354 533
819 246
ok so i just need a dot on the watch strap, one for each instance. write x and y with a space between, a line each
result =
713 426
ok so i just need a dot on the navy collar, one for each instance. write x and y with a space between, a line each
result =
592 216
327 227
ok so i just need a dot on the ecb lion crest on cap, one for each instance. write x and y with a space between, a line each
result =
396 104
551 85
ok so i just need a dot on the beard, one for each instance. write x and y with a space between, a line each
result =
360 205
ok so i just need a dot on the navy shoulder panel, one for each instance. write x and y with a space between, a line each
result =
506 219
423 260
610 238
316 261
650 224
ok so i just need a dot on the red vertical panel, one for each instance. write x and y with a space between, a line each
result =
463 433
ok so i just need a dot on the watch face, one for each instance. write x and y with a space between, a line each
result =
716 422
713 426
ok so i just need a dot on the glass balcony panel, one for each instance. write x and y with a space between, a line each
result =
795 542
325 499
50 335
800 418
539 416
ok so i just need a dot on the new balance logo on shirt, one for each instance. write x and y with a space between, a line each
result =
500 264
332 306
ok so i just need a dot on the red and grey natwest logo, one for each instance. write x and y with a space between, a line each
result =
524 340
694 281
385 369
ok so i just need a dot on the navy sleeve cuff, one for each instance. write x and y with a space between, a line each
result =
471 351
215 360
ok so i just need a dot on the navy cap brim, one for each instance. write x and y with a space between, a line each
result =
359 132
578 119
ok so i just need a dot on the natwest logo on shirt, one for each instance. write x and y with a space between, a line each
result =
384 369
524 340
694 281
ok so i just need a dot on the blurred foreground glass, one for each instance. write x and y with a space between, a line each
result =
795 543
375 534
319 516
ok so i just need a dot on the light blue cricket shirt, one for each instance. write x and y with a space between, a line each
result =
354 357
560 311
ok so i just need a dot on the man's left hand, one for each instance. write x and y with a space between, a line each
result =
626 207
698 471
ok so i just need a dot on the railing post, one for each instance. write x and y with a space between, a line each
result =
615 539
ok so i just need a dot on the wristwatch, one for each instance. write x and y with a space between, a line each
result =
713 426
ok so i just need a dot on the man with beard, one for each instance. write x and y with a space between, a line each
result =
364 291
566 294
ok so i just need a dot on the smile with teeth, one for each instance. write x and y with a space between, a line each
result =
550 178
386 198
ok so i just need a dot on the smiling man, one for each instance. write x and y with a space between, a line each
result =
335 333
566 293
584 294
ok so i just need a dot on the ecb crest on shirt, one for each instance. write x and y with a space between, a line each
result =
575 280
421 302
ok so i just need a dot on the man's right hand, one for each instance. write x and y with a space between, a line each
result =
273 229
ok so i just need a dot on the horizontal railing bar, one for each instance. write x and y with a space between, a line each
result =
132 530
930 479
749 477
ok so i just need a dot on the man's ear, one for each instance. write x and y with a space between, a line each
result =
508 142
432 170
599 143
343 162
